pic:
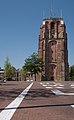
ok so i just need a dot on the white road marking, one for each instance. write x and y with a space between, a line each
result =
59 84
72 84
52 85
48 87
72 87
8 112
31 80
27 80
72 106
47 83
68 93
44 85
57 92
59 87
41 83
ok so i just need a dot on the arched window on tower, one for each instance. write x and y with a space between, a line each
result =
52 29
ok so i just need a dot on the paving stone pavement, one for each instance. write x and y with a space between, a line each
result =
40 103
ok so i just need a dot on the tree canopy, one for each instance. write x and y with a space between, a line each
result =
33 64
71 72
9 70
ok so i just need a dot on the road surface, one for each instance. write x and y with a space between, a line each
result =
48 100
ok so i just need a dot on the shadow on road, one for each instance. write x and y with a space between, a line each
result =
34 93
31 94
38 106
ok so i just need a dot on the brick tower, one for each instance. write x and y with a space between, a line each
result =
53 49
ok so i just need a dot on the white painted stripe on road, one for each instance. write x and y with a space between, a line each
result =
41 83
72 106
52 85
57 92
44 85
72 87
72 84
68 93
59 87
47 83
48 87
8 112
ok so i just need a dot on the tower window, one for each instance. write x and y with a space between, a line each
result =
52 43
52 29
52 25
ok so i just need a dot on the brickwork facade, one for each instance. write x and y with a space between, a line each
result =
53 49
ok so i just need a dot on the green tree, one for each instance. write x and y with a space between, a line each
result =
8 69
71 72
22 73
33 64
13 72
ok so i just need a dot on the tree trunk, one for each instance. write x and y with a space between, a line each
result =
35 77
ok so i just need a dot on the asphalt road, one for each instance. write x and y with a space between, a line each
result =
30 100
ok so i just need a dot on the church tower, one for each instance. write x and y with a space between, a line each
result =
53 49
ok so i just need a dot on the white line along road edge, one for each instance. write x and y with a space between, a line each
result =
8 112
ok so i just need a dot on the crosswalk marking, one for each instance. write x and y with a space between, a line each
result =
52 84
55 84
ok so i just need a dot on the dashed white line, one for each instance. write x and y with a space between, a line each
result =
8 112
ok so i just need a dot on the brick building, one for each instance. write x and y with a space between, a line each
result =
53 49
